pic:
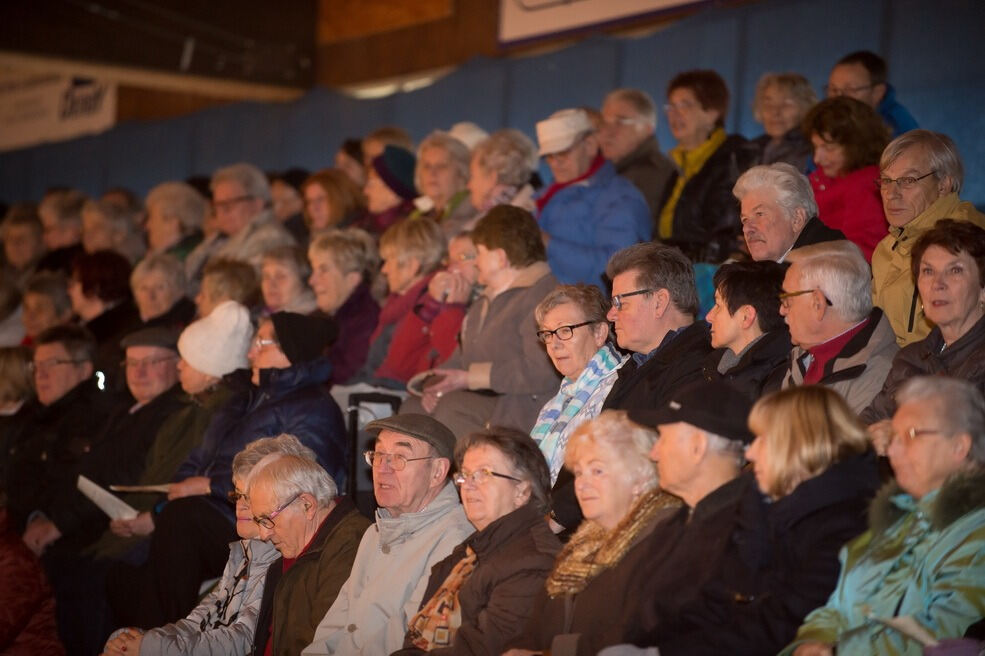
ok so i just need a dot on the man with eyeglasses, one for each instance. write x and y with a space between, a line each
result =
862 75
920 176
840 340
589 212
419 521
628 140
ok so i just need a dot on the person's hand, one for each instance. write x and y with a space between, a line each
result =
450 380
126 643
449 287
190 487
142 524
814 649
39 534
881 434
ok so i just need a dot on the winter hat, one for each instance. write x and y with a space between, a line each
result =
303 338
217 344
561 130
155 336
396 168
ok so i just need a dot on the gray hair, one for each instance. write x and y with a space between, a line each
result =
53 286
587 298
840 271
727 448
254 452
959 404
181 201
352 250
171 267
659 267
798 86
941 152
628 441
793 189
250 178
290 475
457 150
66 204
639 100
508 153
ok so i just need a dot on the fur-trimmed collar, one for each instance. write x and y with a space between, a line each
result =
961 493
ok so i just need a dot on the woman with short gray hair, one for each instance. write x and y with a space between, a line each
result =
158 285
500 171
175 213
441 175
782 100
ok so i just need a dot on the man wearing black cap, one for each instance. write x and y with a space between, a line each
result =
419 522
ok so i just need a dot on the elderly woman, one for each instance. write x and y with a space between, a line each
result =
948 265
496 573
107 226
920 176
45 304
158 285
499 374
923 557
389 189
284 275
616 485
175 213
331 200
442 176
782 100
700 215
343 263
848 137
227 280
500 171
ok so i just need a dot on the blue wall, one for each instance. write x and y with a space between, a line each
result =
929 44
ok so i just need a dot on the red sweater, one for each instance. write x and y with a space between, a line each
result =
852 204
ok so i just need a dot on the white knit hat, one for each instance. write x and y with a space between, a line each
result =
217 344
560 131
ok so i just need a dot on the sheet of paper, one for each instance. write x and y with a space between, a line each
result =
163 488
109 503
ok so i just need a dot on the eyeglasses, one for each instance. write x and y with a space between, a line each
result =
396 461
259 343
47 365
618 298
225 205
621 121
786 296
235 495
905 182
267 521
832 91
563 333
913 433
480 476
130 363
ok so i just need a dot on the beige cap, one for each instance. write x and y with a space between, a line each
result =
561 130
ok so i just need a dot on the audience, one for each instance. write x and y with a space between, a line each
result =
864 76
848 137
227 280
500 172
349 159
782 100
331 200
107 226
23 247
389 190
158 286
175 214
920 177
374 143
45 304
287 202
11 314
418 523
284 275
442 176
589 212
61 217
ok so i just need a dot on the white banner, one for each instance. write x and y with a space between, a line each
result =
520 20
38 108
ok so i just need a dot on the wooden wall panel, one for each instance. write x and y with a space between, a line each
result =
343 20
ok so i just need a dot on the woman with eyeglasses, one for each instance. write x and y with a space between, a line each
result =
478 597
574 329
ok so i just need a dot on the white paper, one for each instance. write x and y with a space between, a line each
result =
109 503
163 488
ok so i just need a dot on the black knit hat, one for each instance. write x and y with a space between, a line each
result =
714 406
303 338
396 168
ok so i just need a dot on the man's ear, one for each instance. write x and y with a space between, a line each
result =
439 470
662 297
799 219
880 91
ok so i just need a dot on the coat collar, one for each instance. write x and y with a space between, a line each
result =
961 494
400 529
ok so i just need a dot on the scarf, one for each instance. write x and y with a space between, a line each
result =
592 549
558 186
560 416
437 622
689 164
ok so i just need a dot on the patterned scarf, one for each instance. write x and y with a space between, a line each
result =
560 416
435 624
593 550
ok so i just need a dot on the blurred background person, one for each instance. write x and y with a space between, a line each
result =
442 175
349 159
175 214
500 170
782 100
23 247
287 203
284 275
331 200
227 280
44 304
106 226
389 189
61 215
158 286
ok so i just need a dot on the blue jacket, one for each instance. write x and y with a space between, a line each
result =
294 400
896 115
591 220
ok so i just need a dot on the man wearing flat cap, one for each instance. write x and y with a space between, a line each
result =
589 212
419 521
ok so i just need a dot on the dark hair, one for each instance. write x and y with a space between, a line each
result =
353 148
103 274
79 342
659 267
523 454
23 214
758 284
955 237
708 87
53 286
514 230
871 62
851 124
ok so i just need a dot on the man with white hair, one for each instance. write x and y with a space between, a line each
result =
628 140
589 212
840 340
779 212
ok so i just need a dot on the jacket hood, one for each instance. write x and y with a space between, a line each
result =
395 530
961 494
277 382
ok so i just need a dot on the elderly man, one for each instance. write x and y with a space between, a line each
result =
921 176
863 75
247 226
419 522
779 212
923 557
840 340
296 505
629 120
589 212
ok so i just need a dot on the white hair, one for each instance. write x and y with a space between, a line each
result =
254 452
290 475
793 189
959 404
839 270
726 447
249 177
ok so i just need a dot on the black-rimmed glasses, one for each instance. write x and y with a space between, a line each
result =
563 333
618 298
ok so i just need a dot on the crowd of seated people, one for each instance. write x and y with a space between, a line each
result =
578 454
